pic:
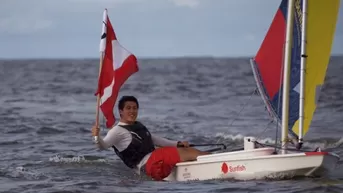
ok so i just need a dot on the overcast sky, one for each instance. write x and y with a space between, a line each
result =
148 28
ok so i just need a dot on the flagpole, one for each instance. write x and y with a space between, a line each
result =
97 114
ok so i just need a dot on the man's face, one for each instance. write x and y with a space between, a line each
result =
129 112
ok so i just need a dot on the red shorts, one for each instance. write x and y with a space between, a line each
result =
161 162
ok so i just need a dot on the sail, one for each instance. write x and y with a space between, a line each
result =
321 25
268 66
268 63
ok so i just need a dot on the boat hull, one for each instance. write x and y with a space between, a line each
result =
254 164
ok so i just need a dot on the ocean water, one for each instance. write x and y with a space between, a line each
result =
47 108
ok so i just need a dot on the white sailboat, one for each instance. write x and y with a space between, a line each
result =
299 39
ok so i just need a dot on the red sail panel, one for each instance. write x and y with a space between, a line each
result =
270 55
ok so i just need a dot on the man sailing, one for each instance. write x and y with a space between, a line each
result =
135 145
130 139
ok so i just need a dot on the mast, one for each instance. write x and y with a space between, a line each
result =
302 71
286 75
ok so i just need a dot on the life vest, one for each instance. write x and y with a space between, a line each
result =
140 146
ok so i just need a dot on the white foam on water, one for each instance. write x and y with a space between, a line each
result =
22 172
75 159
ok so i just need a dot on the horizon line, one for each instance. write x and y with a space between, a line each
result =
144 57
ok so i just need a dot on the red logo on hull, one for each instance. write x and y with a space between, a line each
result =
225 169
237 168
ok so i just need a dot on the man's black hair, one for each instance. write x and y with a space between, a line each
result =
124 99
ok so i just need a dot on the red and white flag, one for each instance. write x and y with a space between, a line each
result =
118 65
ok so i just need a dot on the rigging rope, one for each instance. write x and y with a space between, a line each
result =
252 94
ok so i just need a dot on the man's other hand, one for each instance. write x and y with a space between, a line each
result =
183 144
